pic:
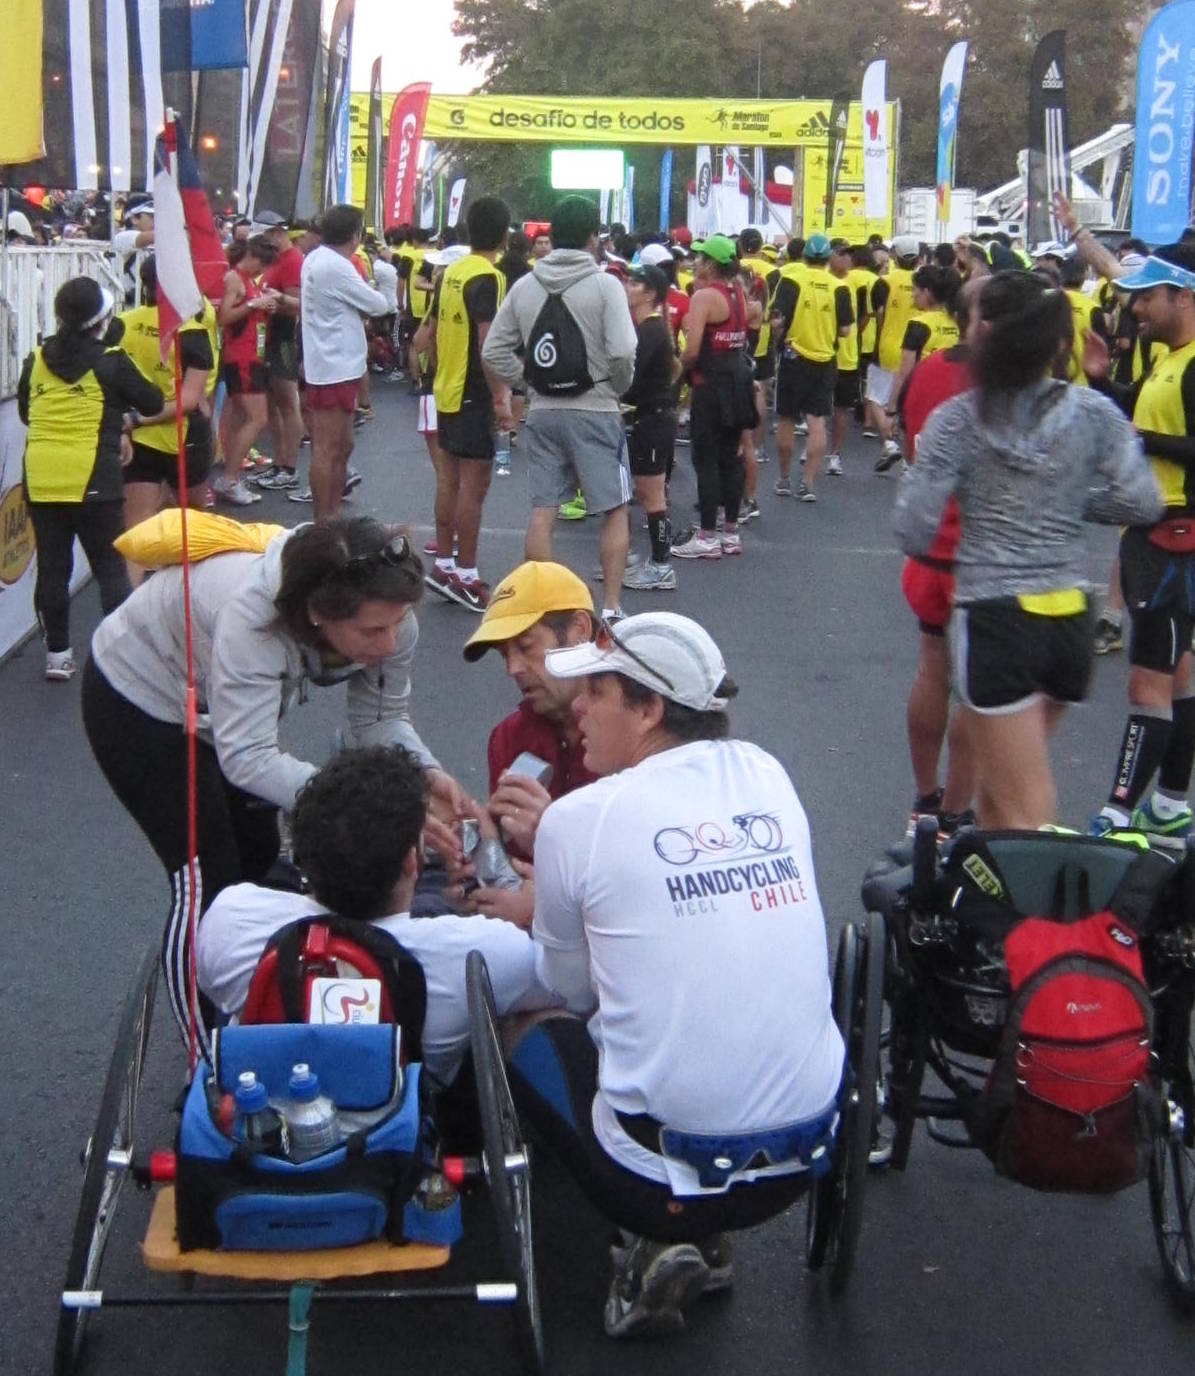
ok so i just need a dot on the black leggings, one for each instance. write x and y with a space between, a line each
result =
553 1077
55 525
715 451
145 763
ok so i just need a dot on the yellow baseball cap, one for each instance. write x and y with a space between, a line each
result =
524 596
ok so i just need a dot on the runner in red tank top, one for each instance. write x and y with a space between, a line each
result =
244 312
928 586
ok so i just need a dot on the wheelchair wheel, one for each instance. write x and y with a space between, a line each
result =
507 1164
1172 1181
835 1214
107 1157
906 1070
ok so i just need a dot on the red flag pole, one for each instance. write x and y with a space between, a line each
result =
190 712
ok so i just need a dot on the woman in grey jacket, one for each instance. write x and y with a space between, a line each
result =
1029 459
329 603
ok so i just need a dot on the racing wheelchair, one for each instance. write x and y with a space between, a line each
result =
365 1210
1046 981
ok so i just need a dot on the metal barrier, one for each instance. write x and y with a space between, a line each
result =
29 280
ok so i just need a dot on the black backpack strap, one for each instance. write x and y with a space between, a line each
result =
1138 898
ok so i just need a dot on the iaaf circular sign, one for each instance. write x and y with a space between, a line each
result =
703 185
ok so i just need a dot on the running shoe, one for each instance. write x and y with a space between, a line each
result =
633 562
438 580
303 495
806 494
649 577
361 415
834 465
60 666
732 542
654 1282
748 511
1101 825
1109 636
951 823
800 428
352 479
236 493
277 480
762 456
573 510
783 487
869 434
698 546
890 455
255 459
1146 819
470 593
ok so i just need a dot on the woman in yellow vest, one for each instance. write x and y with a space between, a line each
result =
931 327
154 438
73 393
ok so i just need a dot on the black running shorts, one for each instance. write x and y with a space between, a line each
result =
468 433
846 390
1159 592
804 388
650 444
1005 658
157 465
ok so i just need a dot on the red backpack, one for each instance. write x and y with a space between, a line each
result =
1070 1103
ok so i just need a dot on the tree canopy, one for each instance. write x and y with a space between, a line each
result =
803 49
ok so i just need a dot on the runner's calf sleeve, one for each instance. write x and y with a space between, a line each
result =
1174 772
661 539
1146 736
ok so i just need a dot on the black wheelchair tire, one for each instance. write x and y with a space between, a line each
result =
907 1051
510 1187
102 1182
1172 1185
820 1209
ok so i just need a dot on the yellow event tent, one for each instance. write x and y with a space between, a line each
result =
795 128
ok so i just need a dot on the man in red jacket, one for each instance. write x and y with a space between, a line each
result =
540 606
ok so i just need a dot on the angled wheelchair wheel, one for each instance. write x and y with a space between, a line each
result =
507 1164
836 1202
1172 1178
107 1158
907 1048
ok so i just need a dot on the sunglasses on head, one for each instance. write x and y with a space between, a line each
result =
395 552
607 639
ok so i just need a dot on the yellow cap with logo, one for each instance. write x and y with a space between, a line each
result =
524 596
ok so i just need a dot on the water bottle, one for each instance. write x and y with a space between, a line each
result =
310 1116
502 453
493 867
256 1123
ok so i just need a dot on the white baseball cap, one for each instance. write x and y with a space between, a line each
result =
445 257
18 223
906 246
652 255
670 654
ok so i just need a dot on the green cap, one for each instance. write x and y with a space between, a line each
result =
817 248
718 247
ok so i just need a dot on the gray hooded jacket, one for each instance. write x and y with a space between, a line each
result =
248 669
1026 479
598 303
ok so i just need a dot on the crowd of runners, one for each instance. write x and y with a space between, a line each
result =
1019 396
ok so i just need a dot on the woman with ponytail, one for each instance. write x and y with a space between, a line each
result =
1028 459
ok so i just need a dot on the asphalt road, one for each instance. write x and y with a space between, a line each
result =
957 1270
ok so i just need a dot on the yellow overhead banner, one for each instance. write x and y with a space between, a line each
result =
20 80
623 120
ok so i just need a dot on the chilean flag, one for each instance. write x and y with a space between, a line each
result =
190 256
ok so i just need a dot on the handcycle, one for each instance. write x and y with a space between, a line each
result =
955 1010
114 1155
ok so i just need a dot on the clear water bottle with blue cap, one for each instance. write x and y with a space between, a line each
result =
310 1115
502 453
257 1123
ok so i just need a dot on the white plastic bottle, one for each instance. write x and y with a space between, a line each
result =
310 1116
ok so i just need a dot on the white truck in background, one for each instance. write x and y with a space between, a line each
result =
917 213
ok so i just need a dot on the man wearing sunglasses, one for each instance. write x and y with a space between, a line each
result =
676 909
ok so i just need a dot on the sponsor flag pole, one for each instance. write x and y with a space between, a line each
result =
1165 125
1049 155
402 161
949 90
875 144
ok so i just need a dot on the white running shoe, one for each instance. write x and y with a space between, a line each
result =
834 465
649 577
236 493
732 542
699 546
60 666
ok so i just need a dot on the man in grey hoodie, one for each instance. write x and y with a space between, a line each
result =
575 435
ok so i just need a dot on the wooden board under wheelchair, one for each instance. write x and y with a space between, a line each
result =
161 1253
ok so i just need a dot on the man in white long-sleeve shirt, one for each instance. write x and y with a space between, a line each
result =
677 909
335 303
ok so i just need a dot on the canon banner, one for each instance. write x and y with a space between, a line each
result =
1165 125
1049 150
373 151
949 90
402 154
875 142
835 145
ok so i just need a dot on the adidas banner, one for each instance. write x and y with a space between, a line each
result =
835 146
1049 149
1165 125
